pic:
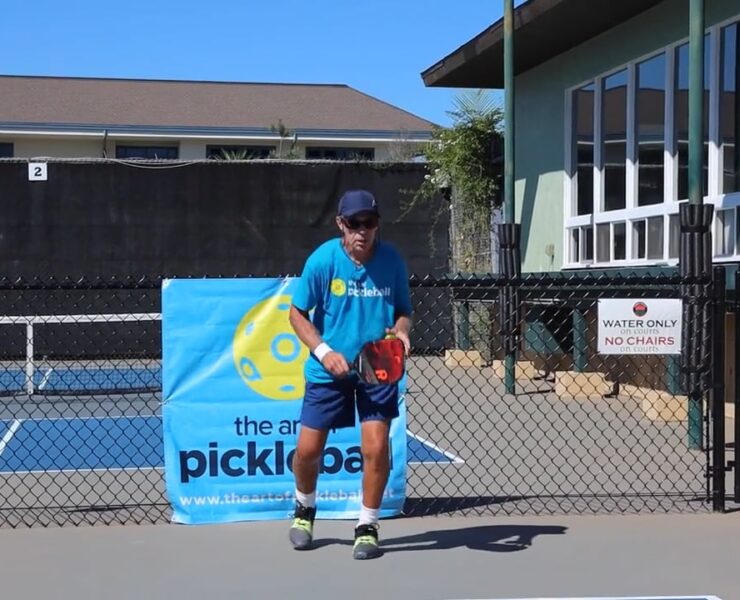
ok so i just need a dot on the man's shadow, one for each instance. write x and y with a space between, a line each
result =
489 538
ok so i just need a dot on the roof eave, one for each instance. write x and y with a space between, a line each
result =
113 130
542 29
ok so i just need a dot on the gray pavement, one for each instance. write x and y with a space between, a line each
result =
430 558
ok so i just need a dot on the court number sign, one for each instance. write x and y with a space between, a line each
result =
37 172
643 326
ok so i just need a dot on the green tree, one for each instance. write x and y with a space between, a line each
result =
462 161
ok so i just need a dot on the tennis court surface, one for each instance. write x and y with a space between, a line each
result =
688 556
122 442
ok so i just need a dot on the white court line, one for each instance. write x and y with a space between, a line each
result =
45 379
101 470
455 459
91 418
692 597
9 435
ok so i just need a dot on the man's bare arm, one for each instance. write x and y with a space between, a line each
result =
333 361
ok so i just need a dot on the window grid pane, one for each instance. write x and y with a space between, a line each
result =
724 241
681 118
148 152
674 234
650 122
614 144
583 143
575 255
588 243
620 241
603 234
655 238
638 239
729 114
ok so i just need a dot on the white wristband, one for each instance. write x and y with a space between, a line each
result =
321 351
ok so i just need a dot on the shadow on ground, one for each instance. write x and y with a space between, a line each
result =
488 538
419 507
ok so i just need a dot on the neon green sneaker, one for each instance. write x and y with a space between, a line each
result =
301 530
366 542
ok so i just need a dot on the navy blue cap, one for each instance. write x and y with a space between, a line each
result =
357 201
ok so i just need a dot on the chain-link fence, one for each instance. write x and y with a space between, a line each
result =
573 429
80 420
576 430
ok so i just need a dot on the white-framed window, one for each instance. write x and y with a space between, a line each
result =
627 155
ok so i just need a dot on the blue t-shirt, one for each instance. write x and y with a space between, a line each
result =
353 304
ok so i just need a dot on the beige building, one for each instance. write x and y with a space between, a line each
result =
194 120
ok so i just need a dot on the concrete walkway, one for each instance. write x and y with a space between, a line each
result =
431 558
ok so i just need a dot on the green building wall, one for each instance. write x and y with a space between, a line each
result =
540 116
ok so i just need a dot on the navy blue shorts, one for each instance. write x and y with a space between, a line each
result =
332 405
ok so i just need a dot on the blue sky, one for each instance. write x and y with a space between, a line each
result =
377 46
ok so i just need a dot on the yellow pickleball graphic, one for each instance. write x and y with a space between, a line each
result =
338 287
268 355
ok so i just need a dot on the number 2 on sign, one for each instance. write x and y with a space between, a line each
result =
37 172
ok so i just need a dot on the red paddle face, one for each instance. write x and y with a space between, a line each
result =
382 361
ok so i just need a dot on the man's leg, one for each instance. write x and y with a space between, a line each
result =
324 406
376 467
376 463
306 460
377 406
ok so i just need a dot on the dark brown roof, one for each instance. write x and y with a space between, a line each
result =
156 103
542 30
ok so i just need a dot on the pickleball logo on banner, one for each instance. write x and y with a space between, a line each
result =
338 287
640 309
268 355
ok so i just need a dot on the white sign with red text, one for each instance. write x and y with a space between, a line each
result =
645 326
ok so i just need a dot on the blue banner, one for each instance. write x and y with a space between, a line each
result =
232 385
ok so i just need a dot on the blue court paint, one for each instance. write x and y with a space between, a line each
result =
71 444
119 443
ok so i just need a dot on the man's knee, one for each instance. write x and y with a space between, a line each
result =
308 453
375 452
310 445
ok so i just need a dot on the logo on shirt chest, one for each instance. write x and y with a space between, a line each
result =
338 287
357 289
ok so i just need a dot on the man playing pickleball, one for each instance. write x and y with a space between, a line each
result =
358 289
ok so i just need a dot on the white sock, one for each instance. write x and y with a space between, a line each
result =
368 516
307 500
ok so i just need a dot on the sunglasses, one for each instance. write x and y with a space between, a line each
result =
355 223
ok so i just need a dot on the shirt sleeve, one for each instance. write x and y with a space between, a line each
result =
402 296
309 288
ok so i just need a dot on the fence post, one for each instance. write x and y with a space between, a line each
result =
511 270
29 357
580 359
464 325
509 231
736 432
695 267
673 374
718 391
